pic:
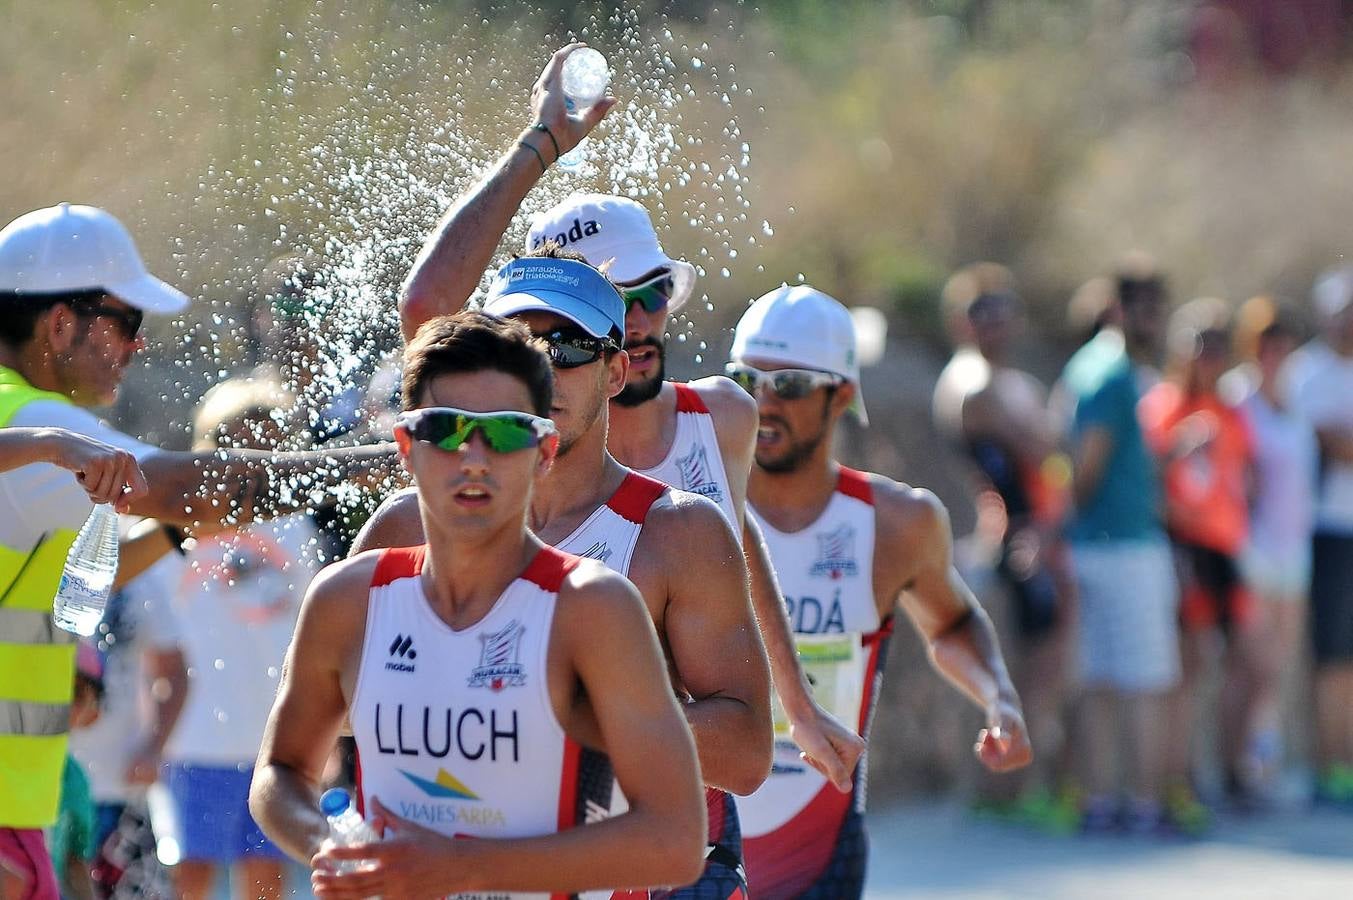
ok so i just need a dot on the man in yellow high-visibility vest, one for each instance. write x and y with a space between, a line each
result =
73 292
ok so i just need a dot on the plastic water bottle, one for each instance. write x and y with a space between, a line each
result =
584 79
347 828
88 577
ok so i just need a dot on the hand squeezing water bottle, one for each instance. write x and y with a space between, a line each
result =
91 566
584 79
347 828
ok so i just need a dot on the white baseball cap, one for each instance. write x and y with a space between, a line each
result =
612 232
802 327
68 248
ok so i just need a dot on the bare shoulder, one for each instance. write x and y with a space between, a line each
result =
730 405
906 513
336 601
594 596
395 523
681 517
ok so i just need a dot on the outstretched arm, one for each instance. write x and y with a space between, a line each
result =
108 474
235 487
460 248
959 636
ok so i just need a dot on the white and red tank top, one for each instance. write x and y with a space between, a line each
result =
454 728
609 535
693 462
826 573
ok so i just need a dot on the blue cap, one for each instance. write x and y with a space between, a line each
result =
334 801
565 287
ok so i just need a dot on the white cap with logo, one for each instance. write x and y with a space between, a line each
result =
612 232
69 248
802 327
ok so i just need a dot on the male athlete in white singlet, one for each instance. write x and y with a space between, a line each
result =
488 722
849 549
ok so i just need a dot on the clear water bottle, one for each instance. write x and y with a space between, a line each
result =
88 578
347 828
584 79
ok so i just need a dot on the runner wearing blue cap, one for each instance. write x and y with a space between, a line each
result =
676 547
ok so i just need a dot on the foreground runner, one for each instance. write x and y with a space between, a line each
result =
698 437
471 672
676 547
794 350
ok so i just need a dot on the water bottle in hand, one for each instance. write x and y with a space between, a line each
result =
88 578
584 78
347 828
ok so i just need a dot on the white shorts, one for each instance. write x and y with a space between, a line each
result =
1129 615
1277 575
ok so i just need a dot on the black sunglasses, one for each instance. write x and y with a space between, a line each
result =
127 321
570 348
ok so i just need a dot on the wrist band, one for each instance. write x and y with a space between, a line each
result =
541 126
539 158
176 537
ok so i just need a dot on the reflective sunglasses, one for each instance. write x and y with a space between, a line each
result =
570 348
787 384
653 295
450 429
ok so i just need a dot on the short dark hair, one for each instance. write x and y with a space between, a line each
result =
22 310
472 341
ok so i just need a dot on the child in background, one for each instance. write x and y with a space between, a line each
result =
71 840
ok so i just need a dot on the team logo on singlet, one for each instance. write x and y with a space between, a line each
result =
444 785
695 477
600 551
836 554
499 659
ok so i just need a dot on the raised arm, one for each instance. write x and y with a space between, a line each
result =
236 487
460 248
309 710
960 639
714 642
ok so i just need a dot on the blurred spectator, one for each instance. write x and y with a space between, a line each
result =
145 682
71 841
1320 388
238 595
1126 589
1276 562
1206 455
999 416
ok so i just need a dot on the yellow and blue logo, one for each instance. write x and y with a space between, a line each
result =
445 785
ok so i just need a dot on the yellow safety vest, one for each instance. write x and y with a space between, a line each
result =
37 659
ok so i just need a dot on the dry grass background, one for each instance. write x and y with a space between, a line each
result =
887 143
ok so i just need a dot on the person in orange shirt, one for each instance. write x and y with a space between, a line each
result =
1205 452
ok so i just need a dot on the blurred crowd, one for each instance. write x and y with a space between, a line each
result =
1172 522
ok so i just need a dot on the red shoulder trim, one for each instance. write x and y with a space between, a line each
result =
635 496
688 400
398 562
548 568
855 484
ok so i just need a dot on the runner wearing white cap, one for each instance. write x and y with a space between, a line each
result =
676 547
850 548
73 291
697 436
